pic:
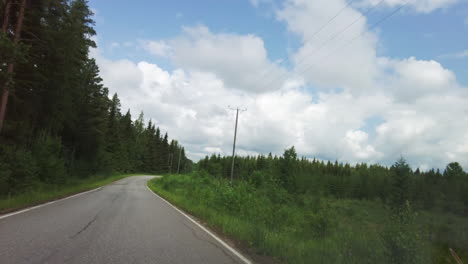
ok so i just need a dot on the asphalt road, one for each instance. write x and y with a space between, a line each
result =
123 222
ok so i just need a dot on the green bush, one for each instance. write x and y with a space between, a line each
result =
312 228
47 152
18 170
403 239
5 176
321 222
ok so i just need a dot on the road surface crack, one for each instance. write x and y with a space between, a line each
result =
86 226
94 219
55 251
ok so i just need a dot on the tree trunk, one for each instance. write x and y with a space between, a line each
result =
6 16
11 66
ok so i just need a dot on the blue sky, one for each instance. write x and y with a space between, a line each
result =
425 36
165 19
389 93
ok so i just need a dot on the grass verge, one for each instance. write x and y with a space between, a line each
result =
315 229
45 193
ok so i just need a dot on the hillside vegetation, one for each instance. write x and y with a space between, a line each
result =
303 211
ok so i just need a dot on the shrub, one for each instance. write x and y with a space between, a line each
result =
47 152
403 238
18 170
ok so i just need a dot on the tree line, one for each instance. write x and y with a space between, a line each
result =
60 121
395 185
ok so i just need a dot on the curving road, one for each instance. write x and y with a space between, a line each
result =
123 222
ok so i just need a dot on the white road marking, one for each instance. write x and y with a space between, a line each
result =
233 251
48 203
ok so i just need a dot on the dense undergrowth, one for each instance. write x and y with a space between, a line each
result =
309 228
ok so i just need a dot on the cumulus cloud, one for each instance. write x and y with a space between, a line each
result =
357 142
158 48
114 45
413 87
256 3
306 18
424 73
238 60
408 79
420 106
192 106
426 131
343 54
423 6
456 55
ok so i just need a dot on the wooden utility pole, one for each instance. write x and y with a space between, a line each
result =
170 162
11 65
234 143
178 163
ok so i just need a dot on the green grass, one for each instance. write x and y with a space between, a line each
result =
44 193
311 229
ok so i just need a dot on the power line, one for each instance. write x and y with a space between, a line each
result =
269 68
331 19
335 35
396 10
361 15
264 73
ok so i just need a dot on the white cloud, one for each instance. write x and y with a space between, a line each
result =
238 60
158 48
118 45
426 130
114 45
456 55
121 76
424 73
192 106
423 6
256 3
327 61
357 142
306 18
422 109
410 78
128 44
407 89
